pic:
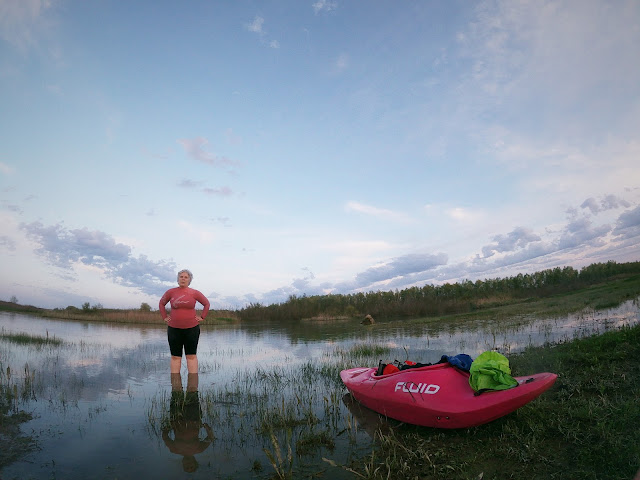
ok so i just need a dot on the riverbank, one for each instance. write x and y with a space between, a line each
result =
584 427
597 296
138 316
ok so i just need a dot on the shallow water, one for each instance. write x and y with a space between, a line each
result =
101 400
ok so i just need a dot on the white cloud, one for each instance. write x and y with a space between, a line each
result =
188 230
381 213
516 239
464 215
232 137
628 224
609 202
67 249
6 169
399 267
256 25
195 148
324 6
7 243
22 20
342 63
223 191
542 67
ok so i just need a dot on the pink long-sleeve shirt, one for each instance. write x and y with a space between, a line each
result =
183 306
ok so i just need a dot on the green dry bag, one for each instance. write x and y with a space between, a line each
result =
490 371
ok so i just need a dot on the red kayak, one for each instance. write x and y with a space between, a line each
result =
439 395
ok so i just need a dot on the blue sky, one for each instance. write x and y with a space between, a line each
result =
281 148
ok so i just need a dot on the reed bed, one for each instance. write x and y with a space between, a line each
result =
293 414
215 317
29 339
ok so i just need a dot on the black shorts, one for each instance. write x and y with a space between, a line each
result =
183 337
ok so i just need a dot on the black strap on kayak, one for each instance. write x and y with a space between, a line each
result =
482 390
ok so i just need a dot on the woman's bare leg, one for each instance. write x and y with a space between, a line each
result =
192 364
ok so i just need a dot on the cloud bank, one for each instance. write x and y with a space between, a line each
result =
63 248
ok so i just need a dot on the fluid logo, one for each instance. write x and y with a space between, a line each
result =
411 387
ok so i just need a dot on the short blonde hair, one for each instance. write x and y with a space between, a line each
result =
188 272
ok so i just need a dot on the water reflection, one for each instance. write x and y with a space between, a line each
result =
368 420
182 434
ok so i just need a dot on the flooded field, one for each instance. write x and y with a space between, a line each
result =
268 400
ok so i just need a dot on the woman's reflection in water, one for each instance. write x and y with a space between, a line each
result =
185 420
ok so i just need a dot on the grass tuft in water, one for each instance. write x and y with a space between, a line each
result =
309 442
27 339
369 350
283 466
286 416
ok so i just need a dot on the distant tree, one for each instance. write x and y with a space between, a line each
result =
86 306
96 307
13 299
145 307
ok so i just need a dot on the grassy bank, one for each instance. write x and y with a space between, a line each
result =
595 297
562 299
585 427
132 316
138 317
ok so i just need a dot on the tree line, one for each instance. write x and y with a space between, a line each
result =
435 300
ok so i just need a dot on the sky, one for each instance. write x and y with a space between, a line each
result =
293 147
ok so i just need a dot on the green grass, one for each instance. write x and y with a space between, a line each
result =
585 427
14 443
596 297
28 339
309 442
284 417
367 350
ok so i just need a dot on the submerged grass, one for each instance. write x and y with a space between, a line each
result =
28 339
366 350
585 427
310 441
13 387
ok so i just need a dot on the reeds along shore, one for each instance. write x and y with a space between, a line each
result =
215 317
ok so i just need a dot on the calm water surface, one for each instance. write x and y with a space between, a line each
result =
102 400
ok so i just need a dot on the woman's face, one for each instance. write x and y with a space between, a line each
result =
183 279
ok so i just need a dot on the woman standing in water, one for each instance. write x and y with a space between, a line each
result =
183 329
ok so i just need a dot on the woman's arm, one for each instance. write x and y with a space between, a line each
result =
205 303
162 306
